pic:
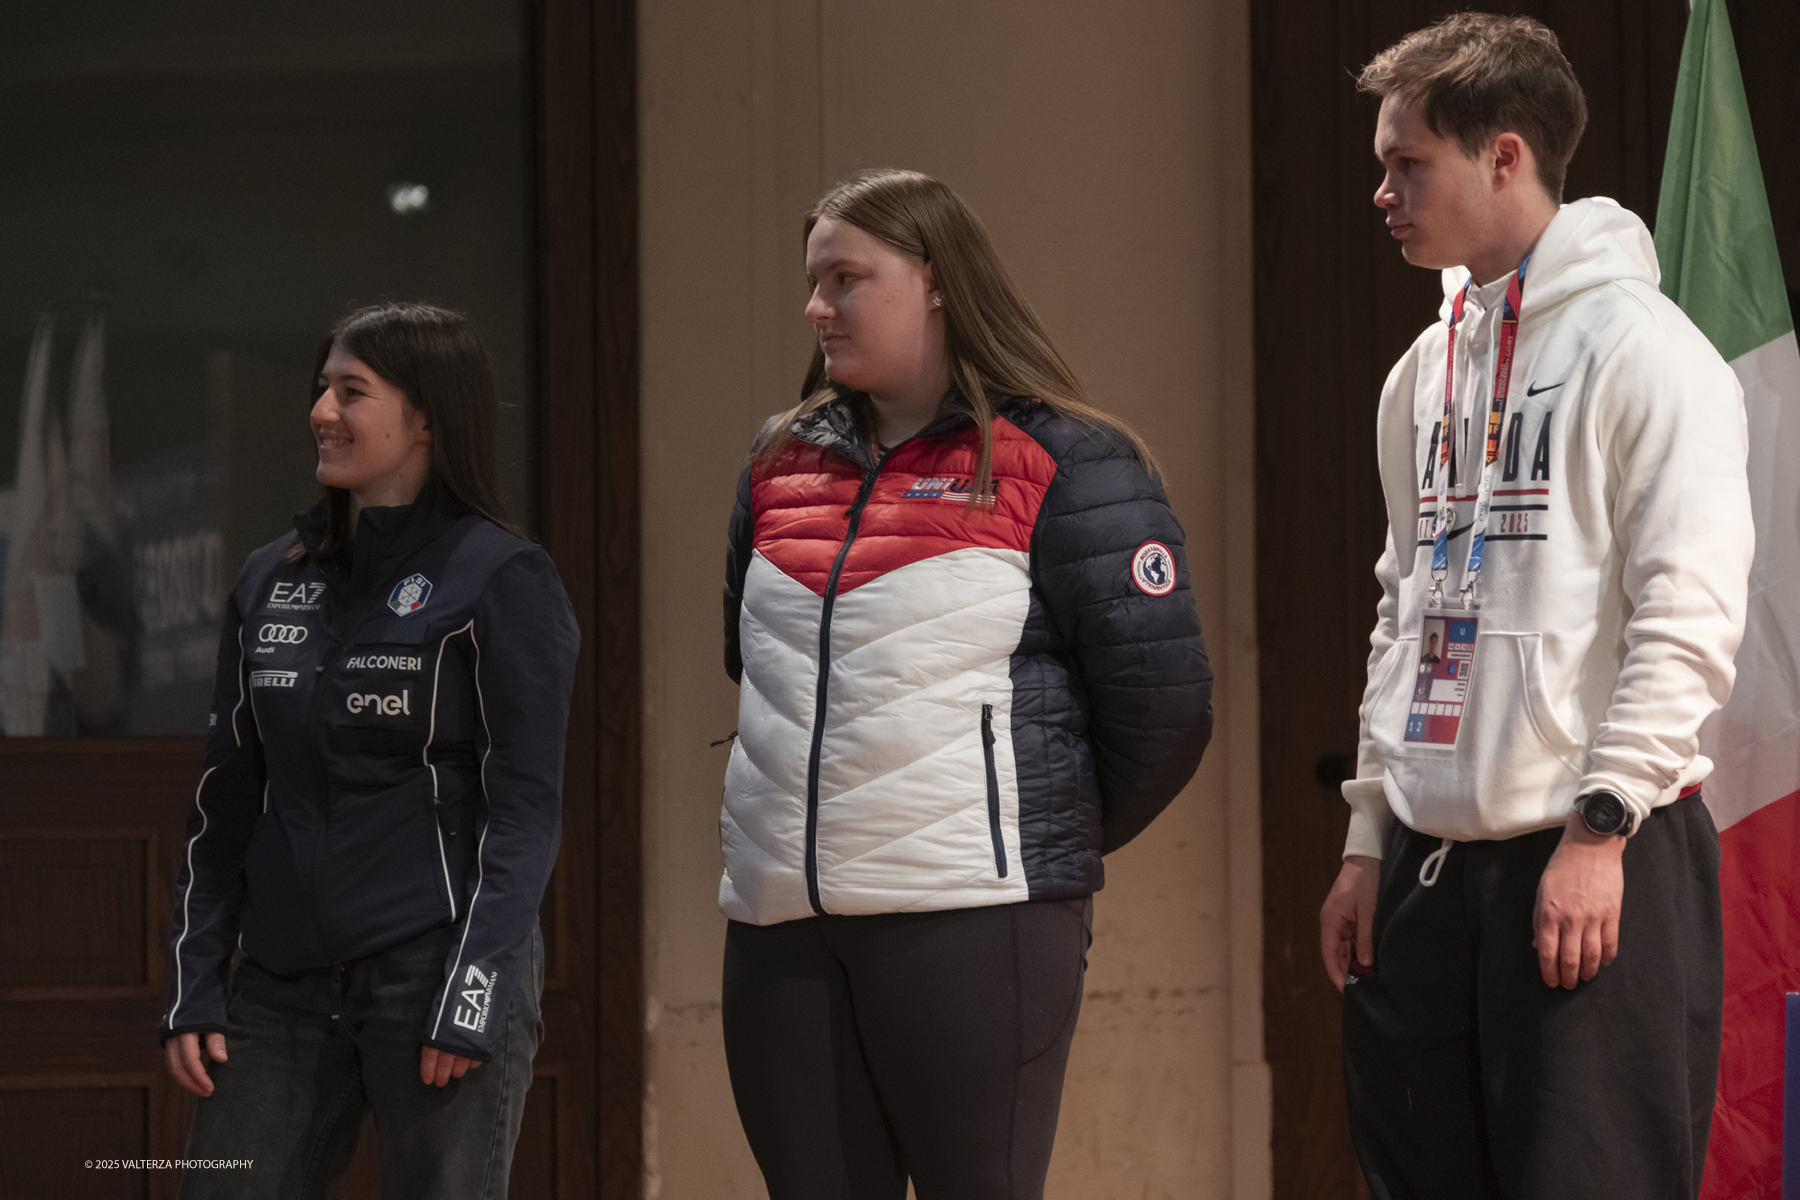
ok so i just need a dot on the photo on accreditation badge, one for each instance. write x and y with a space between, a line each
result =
1433 645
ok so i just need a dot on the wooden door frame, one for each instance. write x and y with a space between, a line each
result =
584 56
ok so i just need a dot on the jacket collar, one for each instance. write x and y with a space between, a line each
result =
838 425
384 537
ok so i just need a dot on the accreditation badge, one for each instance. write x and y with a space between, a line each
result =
1442 676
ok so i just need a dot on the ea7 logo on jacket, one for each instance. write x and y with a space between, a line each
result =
296 597
1153 569
386 706
410 595
477 999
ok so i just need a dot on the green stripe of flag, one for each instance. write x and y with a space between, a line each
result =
1715 238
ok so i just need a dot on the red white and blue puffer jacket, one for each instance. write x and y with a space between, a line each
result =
944 708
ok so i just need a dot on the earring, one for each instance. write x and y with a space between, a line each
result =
937 302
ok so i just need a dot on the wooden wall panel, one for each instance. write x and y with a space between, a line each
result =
76 919
57 1136
90 838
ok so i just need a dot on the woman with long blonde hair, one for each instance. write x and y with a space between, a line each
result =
957 607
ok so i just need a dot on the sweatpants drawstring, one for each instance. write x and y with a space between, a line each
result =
1433 866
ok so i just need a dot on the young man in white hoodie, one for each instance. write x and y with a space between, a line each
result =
1527 918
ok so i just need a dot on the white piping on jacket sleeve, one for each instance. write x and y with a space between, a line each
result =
188 896
425 755
480 870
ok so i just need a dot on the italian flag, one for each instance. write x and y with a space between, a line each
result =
1715 241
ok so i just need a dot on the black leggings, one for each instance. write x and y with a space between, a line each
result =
866 1050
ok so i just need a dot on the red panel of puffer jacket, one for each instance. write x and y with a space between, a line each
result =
918 508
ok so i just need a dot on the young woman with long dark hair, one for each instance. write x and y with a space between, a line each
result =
381 800
958 609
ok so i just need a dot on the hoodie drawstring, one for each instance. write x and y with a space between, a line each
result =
1433 866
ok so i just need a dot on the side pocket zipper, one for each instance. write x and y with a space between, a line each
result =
437 827
993 788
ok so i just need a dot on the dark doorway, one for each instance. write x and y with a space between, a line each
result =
1335 306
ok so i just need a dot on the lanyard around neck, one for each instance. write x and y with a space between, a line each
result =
1440 540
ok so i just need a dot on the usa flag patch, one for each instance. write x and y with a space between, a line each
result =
940 487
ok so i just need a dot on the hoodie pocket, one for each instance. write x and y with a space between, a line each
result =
1403 650
1512 753
993 788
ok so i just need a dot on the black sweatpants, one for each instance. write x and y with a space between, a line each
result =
864 1050
1468 1077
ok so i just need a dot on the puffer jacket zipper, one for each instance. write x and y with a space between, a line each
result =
818 730
993 789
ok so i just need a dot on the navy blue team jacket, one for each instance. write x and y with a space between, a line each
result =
385 758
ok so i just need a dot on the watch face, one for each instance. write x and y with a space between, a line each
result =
1604 812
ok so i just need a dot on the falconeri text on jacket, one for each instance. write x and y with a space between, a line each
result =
944 708
385 758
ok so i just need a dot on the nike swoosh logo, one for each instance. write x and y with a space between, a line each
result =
1454 534
1532 391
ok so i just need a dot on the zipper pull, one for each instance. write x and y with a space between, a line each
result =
987 724
730 737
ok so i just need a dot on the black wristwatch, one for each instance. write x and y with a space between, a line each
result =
1605 814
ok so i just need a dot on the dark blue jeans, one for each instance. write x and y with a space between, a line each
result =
310 1053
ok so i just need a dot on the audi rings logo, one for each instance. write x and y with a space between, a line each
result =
282 635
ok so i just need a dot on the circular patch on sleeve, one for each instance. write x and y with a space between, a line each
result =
1153 569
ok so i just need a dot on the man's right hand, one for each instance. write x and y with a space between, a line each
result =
1347 921
182 1053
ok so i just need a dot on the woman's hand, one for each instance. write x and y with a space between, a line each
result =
182 1053
1347 920
439 1066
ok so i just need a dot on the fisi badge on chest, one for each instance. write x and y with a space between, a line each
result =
1445 671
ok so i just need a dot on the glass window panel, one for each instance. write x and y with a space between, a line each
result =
190 195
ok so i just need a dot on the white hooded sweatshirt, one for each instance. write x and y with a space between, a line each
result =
1613 589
